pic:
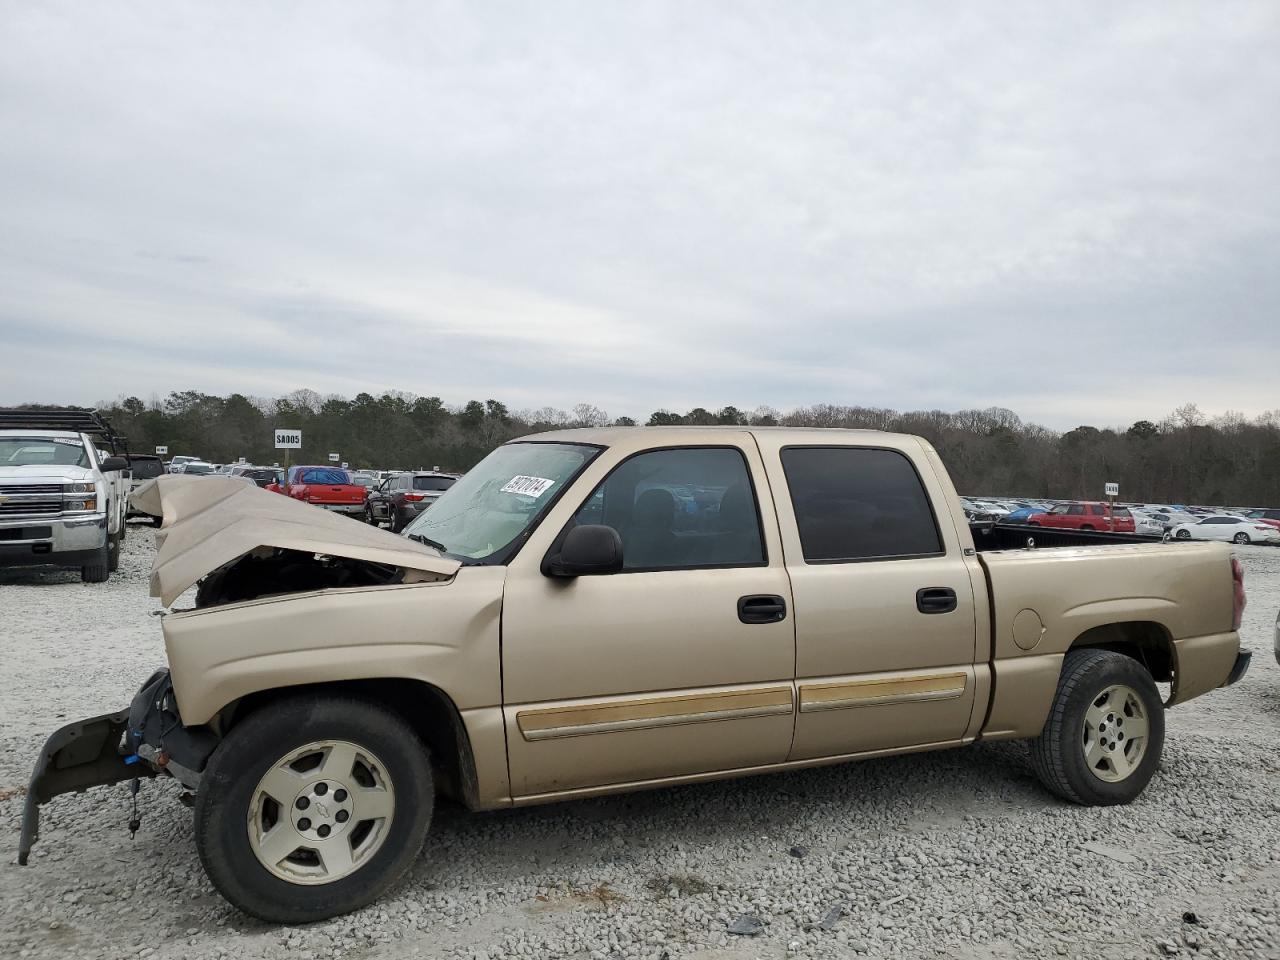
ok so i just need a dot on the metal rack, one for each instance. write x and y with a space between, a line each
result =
75 419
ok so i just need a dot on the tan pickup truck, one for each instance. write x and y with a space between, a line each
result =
605 610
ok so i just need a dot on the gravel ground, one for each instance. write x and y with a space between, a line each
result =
957 854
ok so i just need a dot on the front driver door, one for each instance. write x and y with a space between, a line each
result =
653 672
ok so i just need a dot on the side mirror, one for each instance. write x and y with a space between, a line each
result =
114 465
588 550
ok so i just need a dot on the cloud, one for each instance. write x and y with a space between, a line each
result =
1071 212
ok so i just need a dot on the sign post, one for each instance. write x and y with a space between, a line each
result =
1113 491
287 440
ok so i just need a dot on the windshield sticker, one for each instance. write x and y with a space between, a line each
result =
528 486
65 441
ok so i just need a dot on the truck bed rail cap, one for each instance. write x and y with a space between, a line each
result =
210 521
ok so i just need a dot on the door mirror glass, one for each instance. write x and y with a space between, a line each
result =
588 550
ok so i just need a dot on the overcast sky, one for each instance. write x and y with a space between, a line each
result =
1071 212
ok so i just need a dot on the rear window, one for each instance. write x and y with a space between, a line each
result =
145 468
855 503
433 483
325 475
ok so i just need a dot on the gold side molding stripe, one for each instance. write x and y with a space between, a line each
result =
866 693
653 712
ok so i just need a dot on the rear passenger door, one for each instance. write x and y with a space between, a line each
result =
884 598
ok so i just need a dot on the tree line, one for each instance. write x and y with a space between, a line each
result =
1188 457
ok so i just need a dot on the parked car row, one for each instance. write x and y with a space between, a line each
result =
391 497
1179 521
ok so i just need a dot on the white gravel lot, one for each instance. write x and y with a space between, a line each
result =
954 854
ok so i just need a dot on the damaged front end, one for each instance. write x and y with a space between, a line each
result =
236 544
146 740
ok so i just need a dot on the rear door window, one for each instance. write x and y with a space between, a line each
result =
145 468
325 476
859 503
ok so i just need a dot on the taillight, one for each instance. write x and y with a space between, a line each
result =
414 497
1237 593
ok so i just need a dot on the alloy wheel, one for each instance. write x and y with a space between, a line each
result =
321 812
1115 733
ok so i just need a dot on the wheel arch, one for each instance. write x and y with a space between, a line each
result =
429 710
1146 641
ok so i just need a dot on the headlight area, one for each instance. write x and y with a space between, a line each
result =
80 498
156 734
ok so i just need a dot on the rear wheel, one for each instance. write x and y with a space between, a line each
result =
1086 527
1105 732
1242 538
313 807
113 552
393 520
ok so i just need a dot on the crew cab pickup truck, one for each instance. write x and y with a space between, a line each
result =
326 487
561 624
62 500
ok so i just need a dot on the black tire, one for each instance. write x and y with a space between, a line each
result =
393 518
1058 754
1242 538
252 747
156 521
113 552
369 518
1182 535
1086 527
100 569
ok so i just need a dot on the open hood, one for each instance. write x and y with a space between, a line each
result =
211 521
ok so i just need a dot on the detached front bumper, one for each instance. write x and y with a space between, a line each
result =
142 741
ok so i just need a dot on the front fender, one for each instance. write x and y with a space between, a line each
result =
444 633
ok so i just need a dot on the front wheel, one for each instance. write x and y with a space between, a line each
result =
313 807
1183 534
1102 741
99 569
1242 538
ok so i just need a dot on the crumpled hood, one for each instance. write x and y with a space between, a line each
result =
47 473
210 521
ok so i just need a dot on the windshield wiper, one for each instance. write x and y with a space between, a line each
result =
429 542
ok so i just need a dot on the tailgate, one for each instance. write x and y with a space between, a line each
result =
342 493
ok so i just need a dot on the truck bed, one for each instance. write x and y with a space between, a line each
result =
993 535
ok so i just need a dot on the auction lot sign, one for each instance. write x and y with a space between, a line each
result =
288 439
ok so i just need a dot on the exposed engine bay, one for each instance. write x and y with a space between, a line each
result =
270 571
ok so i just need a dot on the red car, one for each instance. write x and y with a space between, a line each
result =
1084 516
325 487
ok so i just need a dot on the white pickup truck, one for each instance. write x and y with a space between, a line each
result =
62 499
